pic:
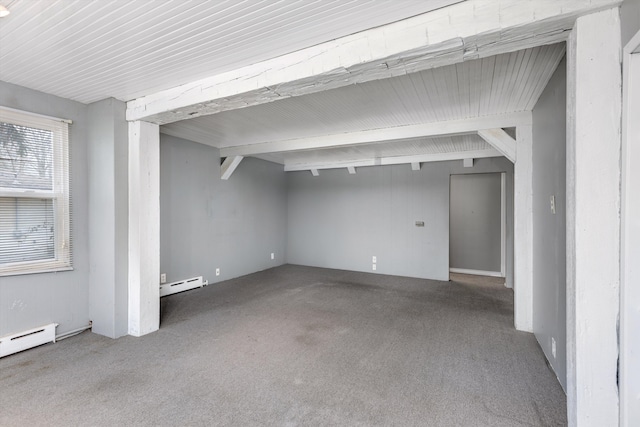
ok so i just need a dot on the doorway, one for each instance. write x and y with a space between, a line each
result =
477 224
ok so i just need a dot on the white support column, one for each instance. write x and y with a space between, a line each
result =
630 270
144 228
593 218
523 230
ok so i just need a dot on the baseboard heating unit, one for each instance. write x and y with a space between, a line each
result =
182 285
24 340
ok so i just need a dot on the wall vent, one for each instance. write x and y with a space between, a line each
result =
181 286
24 340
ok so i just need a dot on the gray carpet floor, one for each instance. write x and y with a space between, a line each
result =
299 346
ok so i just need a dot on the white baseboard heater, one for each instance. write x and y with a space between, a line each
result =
24 340
182 285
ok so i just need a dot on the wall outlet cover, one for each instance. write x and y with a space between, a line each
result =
374 267
163 278
273 256
553 347
374 259
217 271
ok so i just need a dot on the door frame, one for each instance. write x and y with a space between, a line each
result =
503 230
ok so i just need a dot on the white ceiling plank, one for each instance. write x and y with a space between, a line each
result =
416 98
229 166
398 160
467 30
452 127
502 142
130 48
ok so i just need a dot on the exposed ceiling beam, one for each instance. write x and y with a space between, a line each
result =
397 160
229 166
501 141
445 128
467 30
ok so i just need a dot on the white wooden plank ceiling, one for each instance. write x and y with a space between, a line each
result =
490 86
88 50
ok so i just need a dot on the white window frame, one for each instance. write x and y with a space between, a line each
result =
59 193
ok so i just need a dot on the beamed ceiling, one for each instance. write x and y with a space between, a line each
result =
490 86
155 54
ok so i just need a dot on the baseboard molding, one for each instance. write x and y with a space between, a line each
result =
476 272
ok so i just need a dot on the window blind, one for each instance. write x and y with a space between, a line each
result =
35 206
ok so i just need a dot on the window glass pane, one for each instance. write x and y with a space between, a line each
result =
26 157
26 230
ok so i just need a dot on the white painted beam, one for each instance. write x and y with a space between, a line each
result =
397 160
501 141
144 228
229 166
415 166
523 230
467 30
593 219
352 170
444 128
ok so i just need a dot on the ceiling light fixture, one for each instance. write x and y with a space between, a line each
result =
4 11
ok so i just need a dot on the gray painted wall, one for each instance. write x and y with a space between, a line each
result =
549 231
107 144
629 19
31 300
206 222
475 222
337 220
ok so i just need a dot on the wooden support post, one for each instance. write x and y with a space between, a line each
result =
593 218
523 230
144 228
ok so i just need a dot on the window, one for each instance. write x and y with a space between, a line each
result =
34 193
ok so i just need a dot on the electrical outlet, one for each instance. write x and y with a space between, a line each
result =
217 271
374 259
163 278
552 200
273 256
374 267
553 347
